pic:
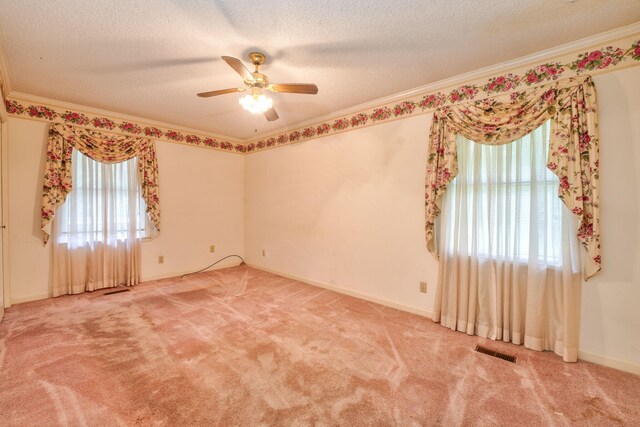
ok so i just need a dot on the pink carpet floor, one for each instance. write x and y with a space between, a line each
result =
243 347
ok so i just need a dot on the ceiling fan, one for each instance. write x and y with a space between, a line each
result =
255 82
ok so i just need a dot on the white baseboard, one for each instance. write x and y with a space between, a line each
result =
349 292
38 297
582 355
29 298
609 362
178 274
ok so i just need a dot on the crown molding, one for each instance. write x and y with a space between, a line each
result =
580 61
39 100
482 73
461 88
37 108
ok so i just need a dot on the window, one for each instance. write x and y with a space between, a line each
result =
105 204
504 202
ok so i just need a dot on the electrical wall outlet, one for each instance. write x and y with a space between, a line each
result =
423 287
264 253
212 248
161 259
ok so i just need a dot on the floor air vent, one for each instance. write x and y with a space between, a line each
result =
497 354
116 291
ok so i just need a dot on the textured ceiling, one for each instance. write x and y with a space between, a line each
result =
149 58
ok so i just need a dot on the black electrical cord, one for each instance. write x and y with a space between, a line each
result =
221 259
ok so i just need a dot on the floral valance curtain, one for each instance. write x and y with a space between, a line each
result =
573 148
105 148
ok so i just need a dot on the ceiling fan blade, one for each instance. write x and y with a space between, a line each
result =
306 88
271 114
237 65
220 92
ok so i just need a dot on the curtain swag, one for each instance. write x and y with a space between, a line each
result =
102 148
573 148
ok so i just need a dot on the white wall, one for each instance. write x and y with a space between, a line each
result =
202 203
28 258
611 300
347 211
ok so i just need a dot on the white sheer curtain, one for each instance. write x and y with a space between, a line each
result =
509 259
97 231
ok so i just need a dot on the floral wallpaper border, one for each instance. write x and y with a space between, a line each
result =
20 108
591 61
586 62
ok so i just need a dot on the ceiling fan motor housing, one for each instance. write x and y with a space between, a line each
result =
259 80
257 59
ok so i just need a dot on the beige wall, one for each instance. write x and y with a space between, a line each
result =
611 300
202 201
347 211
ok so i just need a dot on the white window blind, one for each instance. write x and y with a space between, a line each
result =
504 202
105 204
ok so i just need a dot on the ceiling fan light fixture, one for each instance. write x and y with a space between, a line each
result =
256 103
255 82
